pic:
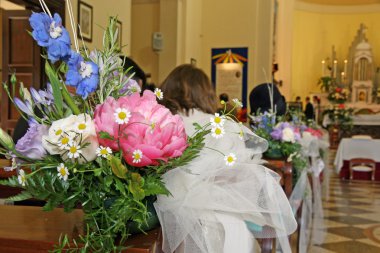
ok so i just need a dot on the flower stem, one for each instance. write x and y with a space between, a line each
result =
69 100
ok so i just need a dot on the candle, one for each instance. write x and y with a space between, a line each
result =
345 67
323 68
335 68
342 77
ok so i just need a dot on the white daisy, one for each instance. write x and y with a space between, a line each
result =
159 94
21 177
122 116
63 142
137 155
81 127
230 159
237 102
103 151
74 150
63 172
134 87
217 132
58 132
217 120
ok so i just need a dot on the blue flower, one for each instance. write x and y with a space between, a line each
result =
49 33
84 75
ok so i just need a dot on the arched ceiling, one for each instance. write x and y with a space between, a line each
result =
341 2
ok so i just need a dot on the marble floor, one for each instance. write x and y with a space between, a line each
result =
351 217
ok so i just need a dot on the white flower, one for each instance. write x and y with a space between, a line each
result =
103 151
63 172
217 120
67 127
134 87
237 102
137 155
159 94
217 132
74 150
81 127
55 31
21 177
122 116
230 159
85 69
288 135
63 143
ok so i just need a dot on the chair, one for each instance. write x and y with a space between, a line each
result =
362 165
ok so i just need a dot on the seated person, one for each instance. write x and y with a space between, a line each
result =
210 203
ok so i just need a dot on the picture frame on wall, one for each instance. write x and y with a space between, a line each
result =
119 26
85 20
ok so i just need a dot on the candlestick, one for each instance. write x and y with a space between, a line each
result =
323 68
335 68
342 76
345 67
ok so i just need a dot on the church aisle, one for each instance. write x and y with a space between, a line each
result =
352 217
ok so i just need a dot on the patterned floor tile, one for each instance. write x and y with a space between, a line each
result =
369 241
349 232
351 247
350 220
330 238
371 216
317 249
349 210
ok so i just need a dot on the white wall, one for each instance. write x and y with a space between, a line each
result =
102 10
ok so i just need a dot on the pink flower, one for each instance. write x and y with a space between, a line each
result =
151 134
315 132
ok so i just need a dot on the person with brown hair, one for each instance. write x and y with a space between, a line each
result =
218 205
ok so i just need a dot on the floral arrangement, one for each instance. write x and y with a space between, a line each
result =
283 138
102 149
338 95
340 115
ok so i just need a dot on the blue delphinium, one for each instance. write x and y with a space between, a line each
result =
84 75
49 33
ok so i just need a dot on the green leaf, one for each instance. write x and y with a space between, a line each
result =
24 195
108 181
135 186
55 84
105 135
154 186
120 186
117 167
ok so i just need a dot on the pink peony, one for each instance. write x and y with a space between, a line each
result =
152 131
315 132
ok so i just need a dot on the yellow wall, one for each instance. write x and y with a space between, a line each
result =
145 21
102 9
227 24
314 35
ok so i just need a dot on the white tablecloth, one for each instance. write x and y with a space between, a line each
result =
356 148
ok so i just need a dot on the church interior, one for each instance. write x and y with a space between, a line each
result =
322 57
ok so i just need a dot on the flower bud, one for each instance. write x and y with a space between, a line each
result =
6 141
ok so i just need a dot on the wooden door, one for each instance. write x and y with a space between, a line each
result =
21 55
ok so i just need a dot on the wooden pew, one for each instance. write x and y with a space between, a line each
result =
28 229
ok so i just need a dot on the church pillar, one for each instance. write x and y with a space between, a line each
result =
263 51
284 42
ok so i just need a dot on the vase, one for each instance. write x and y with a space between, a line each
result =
273 153
152 220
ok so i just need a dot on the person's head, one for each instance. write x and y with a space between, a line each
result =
315 99
298 99
260 99
307 99
224 97
139 75
188 87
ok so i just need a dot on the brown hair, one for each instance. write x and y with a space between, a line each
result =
188 87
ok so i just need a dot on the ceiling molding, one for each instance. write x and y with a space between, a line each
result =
144 1
337 9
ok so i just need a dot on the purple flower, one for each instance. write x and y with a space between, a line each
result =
49 33
131 87
84 75
25 106
30 145
276 134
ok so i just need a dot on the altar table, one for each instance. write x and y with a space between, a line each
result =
356 148
27 229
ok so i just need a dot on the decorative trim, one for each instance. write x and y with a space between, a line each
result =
337 9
